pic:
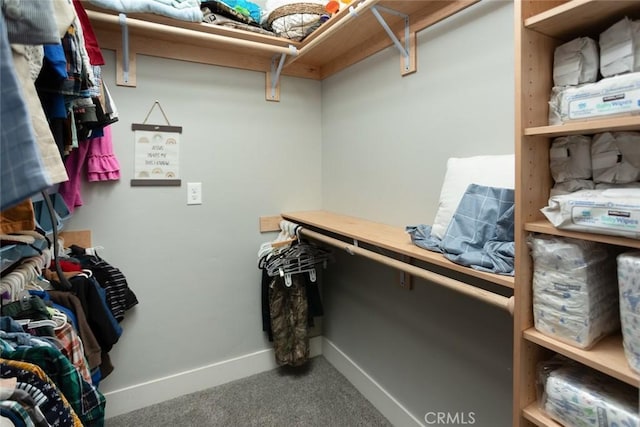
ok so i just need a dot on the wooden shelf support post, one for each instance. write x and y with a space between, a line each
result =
125 47
408 50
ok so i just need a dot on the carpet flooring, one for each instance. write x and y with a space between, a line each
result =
312 395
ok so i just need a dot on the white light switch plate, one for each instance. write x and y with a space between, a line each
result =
194 193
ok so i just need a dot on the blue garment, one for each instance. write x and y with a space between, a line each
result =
53 74
14 412
103 299
22 172
7 324
480 234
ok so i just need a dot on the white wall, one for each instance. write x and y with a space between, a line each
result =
194 268
386 138
385 143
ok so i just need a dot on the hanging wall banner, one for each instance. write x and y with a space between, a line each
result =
157 153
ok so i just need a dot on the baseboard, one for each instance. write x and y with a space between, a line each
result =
393 410
148 393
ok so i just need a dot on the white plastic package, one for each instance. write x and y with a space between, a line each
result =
572 186
610 96
629 288
617 49
615 157
575 298
614 211
570 158
575 395
576 62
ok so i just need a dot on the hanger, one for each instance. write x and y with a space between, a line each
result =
301 257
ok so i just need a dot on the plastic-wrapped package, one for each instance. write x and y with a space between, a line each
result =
609 96
614 211
577 396
629 286
575 298
570 158
566 187
605 185
617 49
615 157
576 62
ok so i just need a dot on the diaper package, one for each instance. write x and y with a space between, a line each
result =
570 158
613 211
576 62
571 186
609 96
629 288
615 157
575 297
575 395
617 49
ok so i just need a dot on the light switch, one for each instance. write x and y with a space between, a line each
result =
194 193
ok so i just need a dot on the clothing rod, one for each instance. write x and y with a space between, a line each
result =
357 9
500 301
185 32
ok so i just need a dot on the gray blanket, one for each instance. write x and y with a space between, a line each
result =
480 234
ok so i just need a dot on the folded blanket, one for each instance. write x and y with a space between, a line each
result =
480 234
184 10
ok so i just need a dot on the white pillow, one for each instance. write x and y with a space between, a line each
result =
491 171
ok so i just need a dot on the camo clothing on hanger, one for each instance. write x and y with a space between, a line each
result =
288 308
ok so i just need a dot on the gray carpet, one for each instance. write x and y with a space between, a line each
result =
312 395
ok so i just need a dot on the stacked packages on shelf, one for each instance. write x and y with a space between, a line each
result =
575 299
577 95
629 286
575 395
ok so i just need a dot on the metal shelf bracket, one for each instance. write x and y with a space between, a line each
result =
408 48
273 75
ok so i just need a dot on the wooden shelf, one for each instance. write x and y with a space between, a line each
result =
541 26
343 40
394 239
545 227
581 17
606 355
537 416
590 127
332 51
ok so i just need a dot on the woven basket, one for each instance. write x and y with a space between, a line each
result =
292 9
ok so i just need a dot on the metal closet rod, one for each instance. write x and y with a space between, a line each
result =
500 301
187 33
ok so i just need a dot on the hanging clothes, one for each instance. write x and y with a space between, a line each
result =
290 294
288 308
22 171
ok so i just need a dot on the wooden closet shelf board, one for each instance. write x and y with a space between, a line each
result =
334 50
544 226
342 41
388 237
195 27
81 238
615 124
606 355
536 415
587 17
